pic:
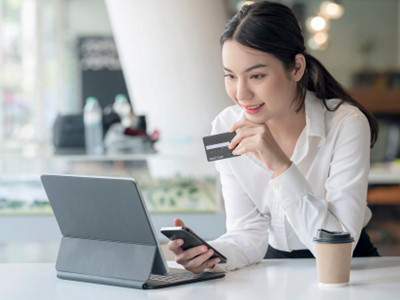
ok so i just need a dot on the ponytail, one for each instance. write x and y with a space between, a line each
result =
317 79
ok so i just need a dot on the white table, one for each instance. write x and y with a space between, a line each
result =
371 278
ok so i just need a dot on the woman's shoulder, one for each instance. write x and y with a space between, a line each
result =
344 113
344 108
226 118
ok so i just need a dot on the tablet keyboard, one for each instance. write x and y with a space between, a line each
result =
174 277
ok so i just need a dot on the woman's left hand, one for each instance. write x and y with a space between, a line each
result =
257 138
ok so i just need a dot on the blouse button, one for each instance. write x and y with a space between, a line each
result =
276 187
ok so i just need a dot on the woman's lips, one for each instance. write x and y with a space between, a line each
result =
253 109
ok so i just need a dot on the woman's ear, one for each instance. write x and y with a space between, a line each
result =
299 67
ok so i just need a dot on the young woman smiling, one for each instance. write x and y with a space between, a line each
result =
304 147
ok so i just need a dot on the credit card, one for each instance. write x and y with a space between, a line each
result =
216 146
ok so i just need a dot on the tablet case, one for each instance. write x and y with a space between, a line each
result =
121 250
105 262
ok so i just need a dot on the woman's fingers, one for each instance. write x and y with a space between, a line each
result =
248 144
199 260
202 262
242 134
175 246
178 222
238 124
184 257
208 264
196 259
241 123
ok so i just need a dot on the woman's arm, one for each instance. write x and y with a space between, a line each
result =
343 207
246 239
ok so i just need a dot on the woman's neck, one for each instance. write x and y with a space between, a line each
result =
289 126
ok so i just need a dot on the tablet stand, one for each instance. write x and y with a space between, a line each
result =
107 262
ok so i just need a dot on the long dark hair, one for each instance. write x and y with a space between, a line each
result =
273 28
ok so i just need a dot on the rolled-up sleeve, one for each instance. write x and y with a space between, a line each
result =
343 206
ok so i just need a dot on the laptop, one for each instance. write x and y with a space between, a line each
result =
108 236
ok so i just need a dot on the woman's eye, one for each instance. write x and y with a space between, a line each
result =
258 76
230 76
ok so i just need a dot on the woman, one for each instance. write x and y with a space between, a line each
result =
304 147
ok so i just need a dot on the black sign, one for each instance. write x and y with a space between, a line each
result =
100 68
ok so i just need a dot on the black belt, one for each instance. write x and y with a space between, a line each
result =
364 248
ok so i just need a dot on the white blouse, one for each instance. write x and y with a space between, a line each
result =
325 186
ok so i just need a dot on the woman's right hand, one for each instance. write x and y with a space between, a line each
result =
195 259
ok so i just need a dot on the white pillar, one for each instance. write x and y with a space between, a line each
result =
1 82
171 58
32 66
60 7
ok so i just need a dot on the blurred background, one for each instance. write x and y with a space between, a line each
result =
150 73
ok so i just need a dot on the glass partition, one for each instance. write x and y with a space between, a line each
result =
167 183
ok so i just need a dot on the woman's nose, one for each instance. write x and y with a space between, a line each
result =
243 92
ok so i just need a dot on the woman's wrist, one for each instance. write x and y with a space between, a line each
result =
281 168
278 165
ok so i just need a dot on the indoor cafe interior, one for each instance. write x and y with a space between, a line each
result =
153 71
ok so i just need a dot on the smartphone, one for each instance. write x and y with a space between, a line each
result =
190 239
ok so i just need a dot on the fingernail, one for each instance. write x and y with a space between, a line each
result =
204 249
180 242
210 251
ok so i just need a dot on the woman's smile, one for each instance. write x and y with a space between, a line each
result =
253 109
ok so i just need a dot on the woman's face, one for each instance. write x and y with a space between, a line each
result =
257 81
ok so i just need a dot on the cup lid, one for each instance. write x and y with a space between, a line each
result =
332 237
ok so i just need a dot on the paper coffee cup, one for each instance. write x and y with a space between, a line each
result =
333 257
